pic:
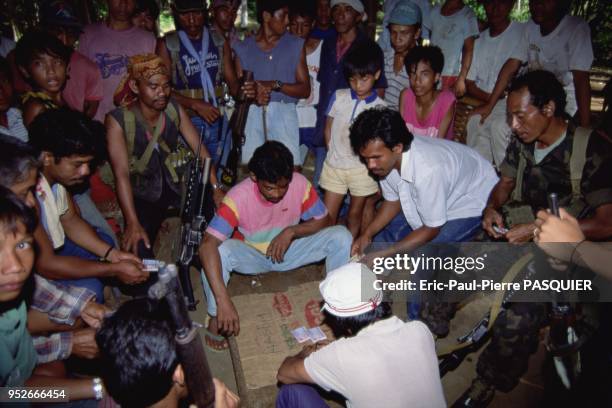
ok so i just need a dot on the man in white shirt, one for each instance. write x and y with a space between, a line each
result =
69 249
491 50
556 42
441 187
396 364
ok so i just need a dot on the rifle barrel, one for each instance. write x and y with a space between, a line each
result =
204 182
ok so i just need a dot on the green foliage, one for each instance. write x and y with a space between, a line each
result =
20 15
166 21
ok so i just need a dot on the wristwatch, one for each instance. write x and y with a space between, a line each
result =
277 86
97 388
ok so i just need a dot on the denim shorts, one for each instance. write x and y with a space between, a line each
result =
282 126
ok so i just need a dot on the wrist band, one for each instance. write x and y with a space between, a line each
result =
574 251
105 258
97 388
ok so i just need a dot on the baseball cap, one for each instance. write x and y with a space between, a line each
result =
59 13
349 291
226 3
355 4
405 13
184 6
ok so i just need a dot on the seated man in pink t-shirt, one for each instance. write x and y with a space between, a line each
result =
426 110
277 222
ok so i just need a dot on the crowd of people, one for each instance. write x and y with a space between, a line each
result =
100 123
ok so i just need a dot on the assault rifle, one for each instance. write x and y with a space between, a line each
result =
189 345
566 336
193 224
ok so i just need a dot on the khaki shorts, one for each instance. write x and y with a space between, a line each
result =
357 181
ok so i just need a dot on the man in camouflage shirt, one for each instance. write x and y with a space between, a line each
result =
537 163
545 139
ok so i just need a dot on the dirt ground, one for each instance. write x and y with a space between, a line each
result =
527 394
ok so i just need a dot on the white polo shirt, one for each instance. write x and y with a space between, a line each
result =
440 181
388 364
344 107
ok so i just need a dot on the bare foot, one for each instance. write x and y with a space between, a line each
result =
213 339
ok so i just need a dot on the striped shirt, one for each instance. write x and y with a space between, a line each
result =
396 83
259 221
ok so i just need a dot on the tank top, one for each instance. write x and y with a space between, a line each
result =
307 108
191 67
149 186
280 63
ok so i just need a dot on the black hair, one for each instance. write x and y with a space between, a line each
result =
303 8
270 6
365 58
14 211
272 161
35 43
380 123
16 160
430 54
543 87
65 132
350 326
138 353
149 6
5 69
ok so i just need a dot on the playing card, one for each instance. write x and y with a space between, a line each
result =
316 334
300 334
152 265
357 258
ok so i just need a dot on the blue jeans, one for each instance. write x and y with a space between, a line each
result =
306 138
211 138
459 230
70 248
91 214
299 396
217 139
281 124
332 244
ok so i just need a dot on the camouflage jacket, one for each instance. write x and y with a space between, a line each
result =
552 174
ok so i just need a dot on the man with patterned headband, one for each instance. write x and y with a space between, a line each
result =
147 153
384 375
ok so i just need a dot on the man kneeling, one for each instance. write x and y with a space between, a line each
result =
266 210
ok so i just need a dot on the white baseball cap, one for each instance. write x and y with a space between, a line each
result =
349 291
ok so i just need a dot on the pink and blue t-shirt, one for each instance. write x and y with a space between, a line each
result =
430 127
259 221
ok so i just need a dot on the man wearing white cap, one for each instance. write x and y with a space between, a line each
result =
379 361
